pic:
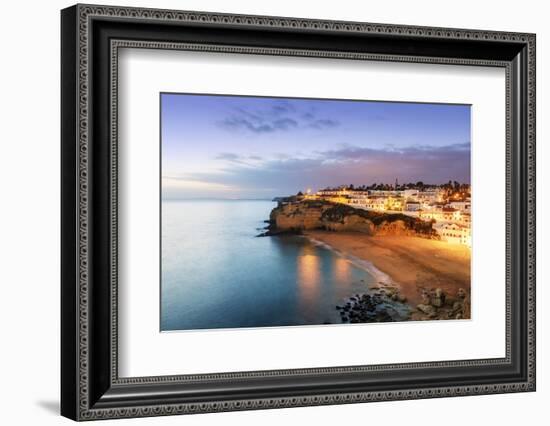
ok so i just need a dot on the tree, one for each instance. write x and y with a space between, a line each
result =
300 194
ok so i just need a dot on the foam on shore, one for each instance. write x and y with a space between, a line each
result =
379 276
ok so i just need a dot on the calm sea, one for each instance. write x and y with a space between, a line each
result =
217 274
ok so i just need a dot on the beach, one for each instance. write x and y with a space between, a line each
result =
415 264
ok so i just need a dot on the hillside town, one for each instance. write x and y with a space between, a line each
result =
447 206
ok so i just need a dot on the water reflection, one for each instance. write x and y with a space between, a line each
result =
342 270
308 274
246 281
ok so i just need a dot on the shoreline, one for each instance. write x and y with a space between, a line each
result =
414 265
366 265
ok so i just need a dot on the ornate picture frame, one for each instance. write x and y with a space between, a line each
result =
91 37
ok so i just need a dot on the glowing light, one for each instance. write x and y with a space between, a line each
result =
342 270
309 278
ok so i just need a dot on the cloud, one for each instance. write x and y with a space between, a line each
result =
282 107
324 123
344 165
410 153
244 160
279 116
227 156
284 123
237 123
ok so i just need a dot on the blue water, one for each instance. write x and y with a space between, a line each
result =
217 274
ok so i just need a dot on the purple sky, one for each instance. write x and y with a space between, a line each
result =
250 147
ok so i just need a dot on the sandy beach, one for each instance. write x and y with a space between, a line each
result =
414 263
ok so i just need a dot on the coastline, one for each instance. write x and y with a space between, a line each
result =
413 264
364 264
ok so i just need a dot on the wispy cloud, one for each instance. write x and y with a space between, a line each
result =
233 158
410 153
280 116
324 123
230 156
344 165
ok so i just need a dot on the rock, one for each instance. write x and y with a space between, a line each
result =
296 214
450 301
466 308
461 293
402 298
425 297
457 306
438 300
426 309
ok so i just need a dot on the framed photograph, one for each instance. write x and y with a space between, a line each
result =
263 212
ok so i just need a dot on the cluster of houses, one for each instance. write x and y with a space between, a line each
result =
450 213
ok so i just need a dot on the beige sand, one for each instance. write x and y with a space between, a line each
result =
414 263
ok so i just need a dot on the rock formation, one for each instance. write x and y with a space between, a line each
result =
435 304
297 216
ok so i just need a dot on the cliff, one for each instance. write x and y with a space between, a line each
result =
298 216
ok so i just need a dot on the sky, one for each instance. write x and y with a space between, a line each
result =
238 147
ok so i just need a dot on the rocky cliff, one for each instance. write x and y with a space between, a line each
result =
297 216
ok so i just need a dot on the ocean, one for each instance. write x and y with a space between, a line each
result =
216 273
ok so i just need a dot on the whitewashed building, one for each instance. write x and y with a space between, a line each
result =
463 206
412 206
454 233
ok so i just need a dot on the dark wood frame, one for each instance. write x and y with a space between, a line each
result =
90 386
